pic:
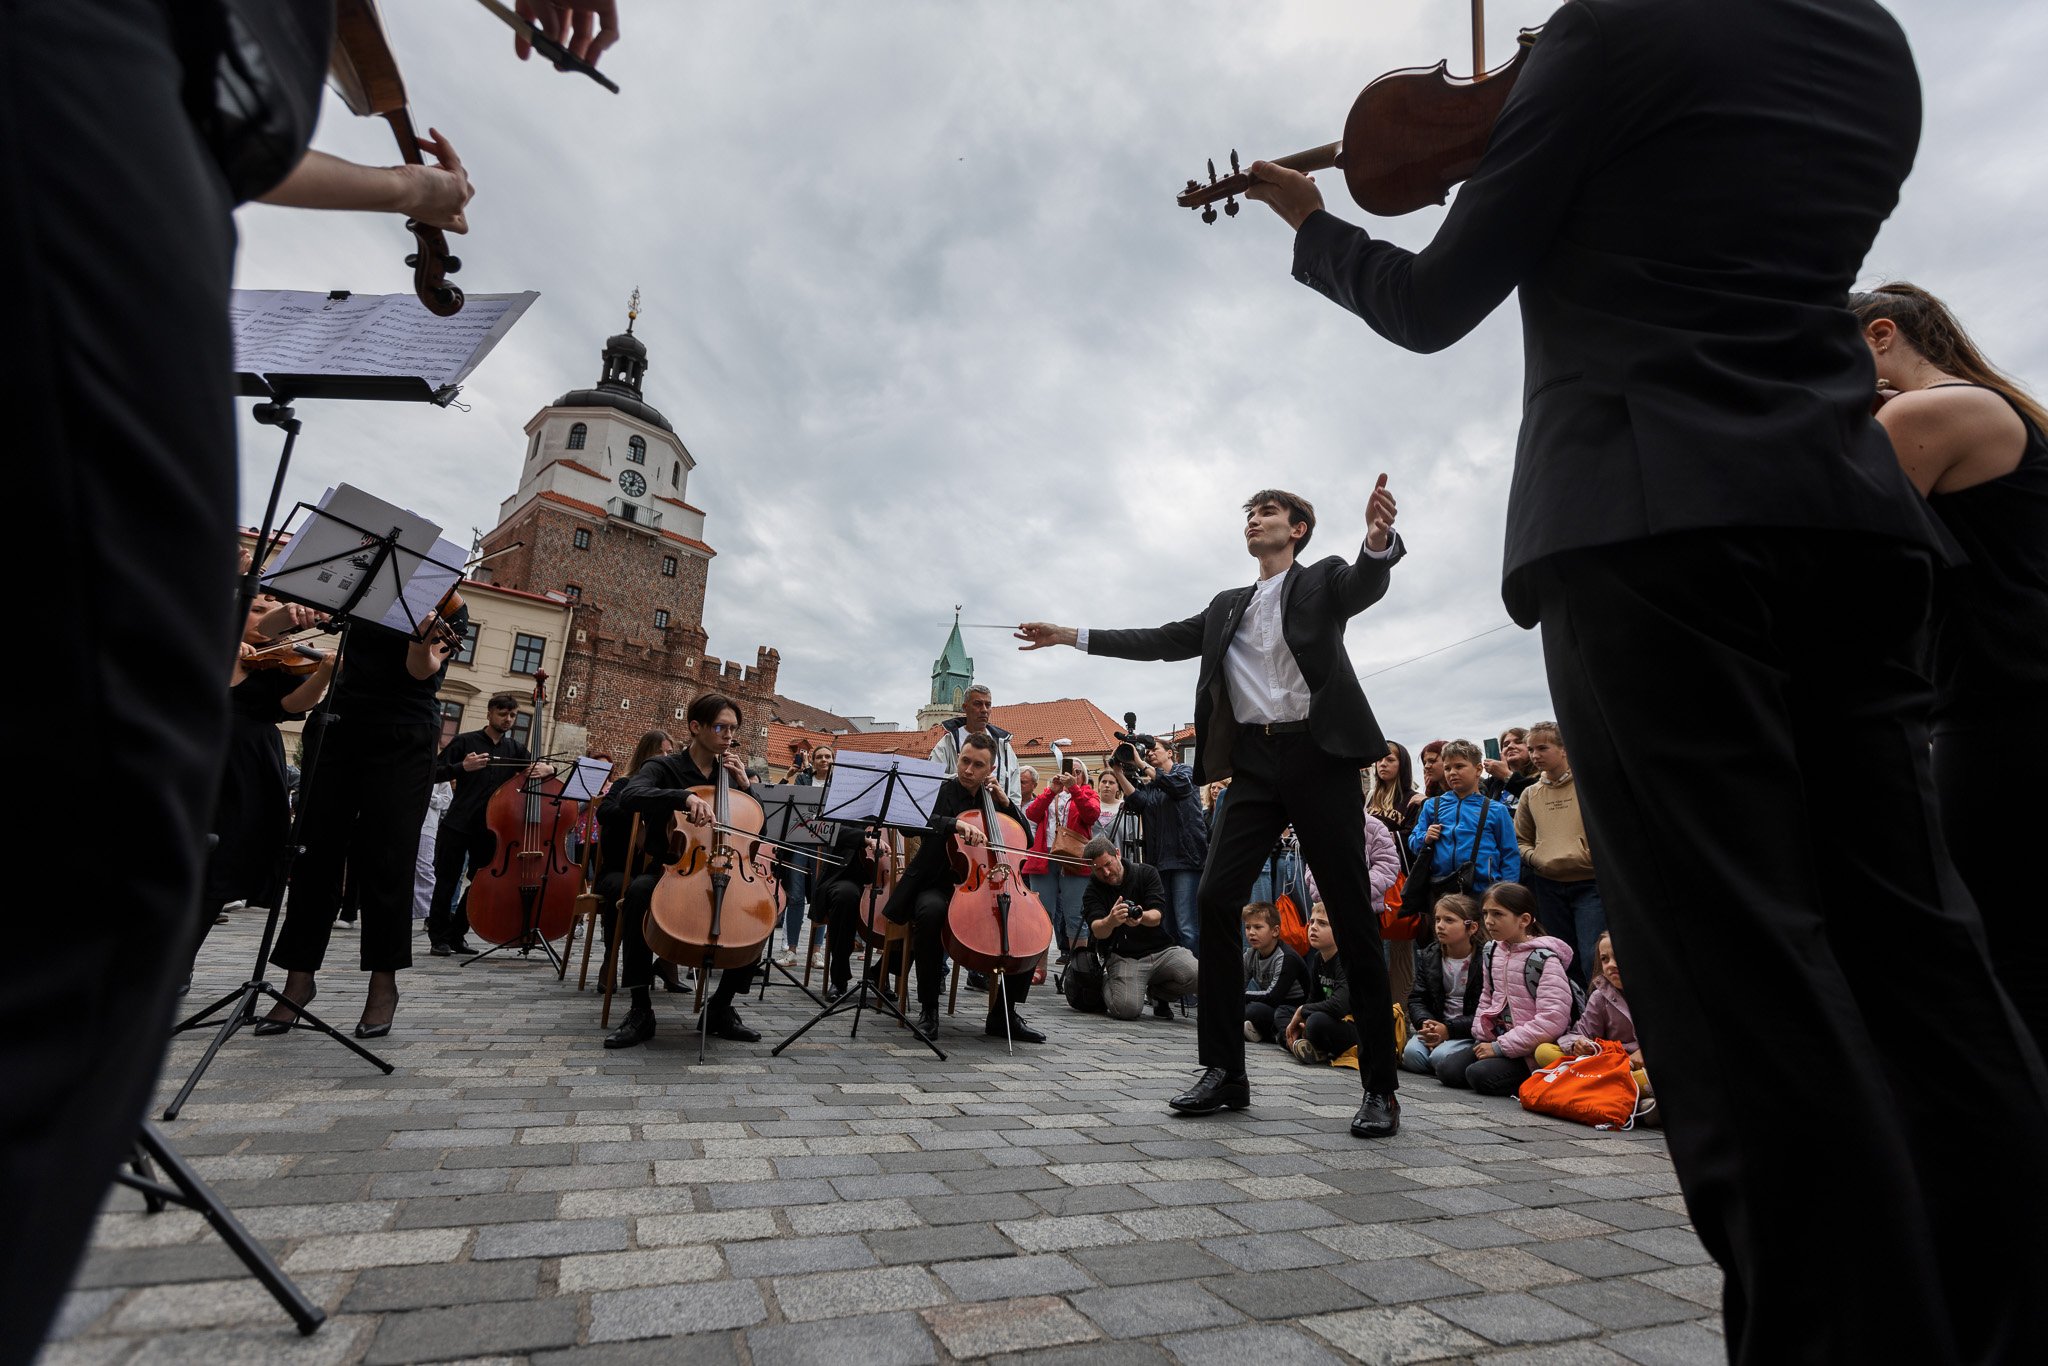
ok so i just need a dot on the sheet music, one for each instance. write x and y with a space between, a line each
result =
324 563
586 778
427 581
859 782
304 332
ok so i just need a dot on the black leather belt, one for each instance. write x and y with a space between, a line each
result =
1280 727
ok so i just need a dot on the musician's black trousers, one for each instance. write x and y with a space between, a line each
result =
1972 760
1745 714
366 794
636 959
117 245
928 950
838 904
448 918
1277 781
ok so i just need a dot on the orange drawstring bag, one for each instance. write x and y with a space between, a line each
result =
1596 1088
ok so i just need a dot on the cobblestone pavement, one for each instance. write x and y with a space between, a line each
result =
515 1193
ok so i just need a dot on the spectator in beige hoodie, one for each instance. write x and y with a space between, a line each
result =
1556 865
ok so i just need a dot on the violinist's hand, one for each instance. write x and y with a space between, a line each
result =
1290 194
1039 634
289 616
541 769
1379 517
696 810
475 763
971 837
438 193
585 40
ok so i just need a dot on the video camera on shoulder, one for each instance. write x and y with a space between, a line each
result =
1132 747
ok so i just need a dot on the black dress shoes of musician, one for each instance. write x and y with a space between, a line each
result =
440 950
1378 1117
1217 1090
1018 1032
726 1024
367 1030
461 946
637 1028
928 1022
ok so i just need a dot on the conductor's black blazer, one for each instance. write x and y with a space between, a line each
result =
1683 193
1315 605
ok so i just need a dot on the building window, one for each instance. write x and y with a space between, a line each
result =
522 729
578 434
526 653
636 450
573 593
582 538
668 566
661 618
465 653
451 721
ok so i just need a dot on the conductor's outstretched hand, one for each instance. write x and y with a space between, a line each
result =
1036 635
1379 517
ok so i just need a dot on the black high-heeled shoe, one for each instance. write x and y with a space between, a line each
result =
365 1030
269 1026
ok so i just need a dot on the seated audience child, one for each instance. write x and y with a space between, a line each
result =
1275 978
1526 994
1320 1029
1445 996
1606 1016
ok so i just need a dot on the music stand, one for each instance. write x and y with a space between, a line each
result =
347 563
791 821
883 792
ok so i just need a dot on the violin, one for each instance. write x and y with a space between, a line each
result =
1411 135
291 657
440 629
529 887
995 923
365 75
700 912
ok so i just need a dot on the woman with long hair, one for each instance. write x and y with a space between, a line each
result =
1391 796
1976 446
1433 784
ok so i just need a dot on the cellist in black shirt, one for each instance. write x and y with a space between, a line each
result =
478 762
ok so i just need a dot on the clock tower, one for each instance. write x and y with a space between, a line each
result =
602 518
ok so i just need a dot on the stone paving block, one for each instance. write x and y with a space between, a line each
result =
1277 1216
769 1194
357 1251
1513 1320
1402 1280
594 1176
787 1256
272 1222
550 1239
1630 1215
1089 1354
1147 1310
961 1209
1580 1353
991 1278
411 1185
1059 1234
430 1287
276 1343
972 1331
1092 1200
1190 1192
1379 1209
1285 1294
1503 1268
666 1311
78 1311
212 1304
853 1216
624 1204
899 1339
934 1246
458 1211
625 1270
1263 1344
1385 1337
1598 1257
1552 1224
841 1294
1172 1225
1149 1263
1677 1344
702 1349
473 1330
1679 1246
1475 1231
719 1226
1619 1303
1272 1251
1702 1284
1375 1242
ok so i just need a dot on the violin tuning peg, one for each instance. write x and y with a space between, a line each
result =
1193 185
412 261
1212 170
1209 214
1230 207
1233 162
451 264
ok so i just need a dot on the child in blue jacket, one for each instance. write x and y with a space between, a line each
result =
1464 826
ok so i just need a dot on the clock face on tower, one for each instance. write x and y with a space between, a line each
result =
633 483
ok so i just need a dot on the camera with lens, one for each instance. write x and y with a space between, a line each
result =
1131 748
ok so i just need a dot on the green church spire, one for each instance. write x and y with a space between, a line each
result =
952 671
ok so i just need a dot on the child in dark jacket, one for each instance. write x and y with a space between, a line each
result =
1446 992
1275 978
1320 1029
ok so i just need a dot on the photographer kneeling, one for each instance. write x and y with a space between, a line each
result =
1124 906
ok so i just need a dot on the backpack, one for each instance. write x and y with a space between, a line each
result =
1532 976
1293 929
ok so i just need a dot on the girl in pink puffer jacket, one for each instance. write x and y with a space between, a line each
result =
1513 1019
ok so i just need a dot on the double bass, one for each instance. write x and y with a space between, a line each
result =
711 908
529 887
995 923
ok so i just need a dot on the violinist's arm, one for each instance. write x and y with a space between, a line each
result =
435 193
307 695
1501 221
424 658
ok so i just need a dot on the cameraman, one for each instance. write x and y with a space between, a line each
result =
1125 905
1176 833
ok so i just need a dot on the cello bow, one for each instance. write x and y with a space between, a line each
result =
364 72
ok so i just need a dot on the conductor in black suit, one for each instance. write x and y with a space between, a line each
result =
1279 711
1717 540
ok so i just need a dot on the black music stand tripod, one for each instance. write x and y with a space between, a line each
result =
891 800
790 822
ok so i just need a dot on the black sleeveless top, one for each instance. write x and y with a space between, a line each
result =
1991 617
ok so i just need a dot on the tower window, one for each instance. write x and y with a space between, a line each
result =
527 652
573 592
675 475
578 434
668 566
582 538
661 618
636 451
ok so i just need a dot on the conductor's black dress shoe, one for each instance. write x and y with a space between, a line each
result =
1217 1090
1378 1117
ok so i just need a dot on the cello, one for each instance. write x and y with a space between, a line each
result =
699 914
995 923
1411 135
529 889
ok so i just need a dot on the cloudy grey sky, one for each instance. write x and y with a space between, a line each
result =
919 301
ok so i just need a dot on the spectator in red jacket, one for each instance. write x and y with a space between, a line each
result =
1069 803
